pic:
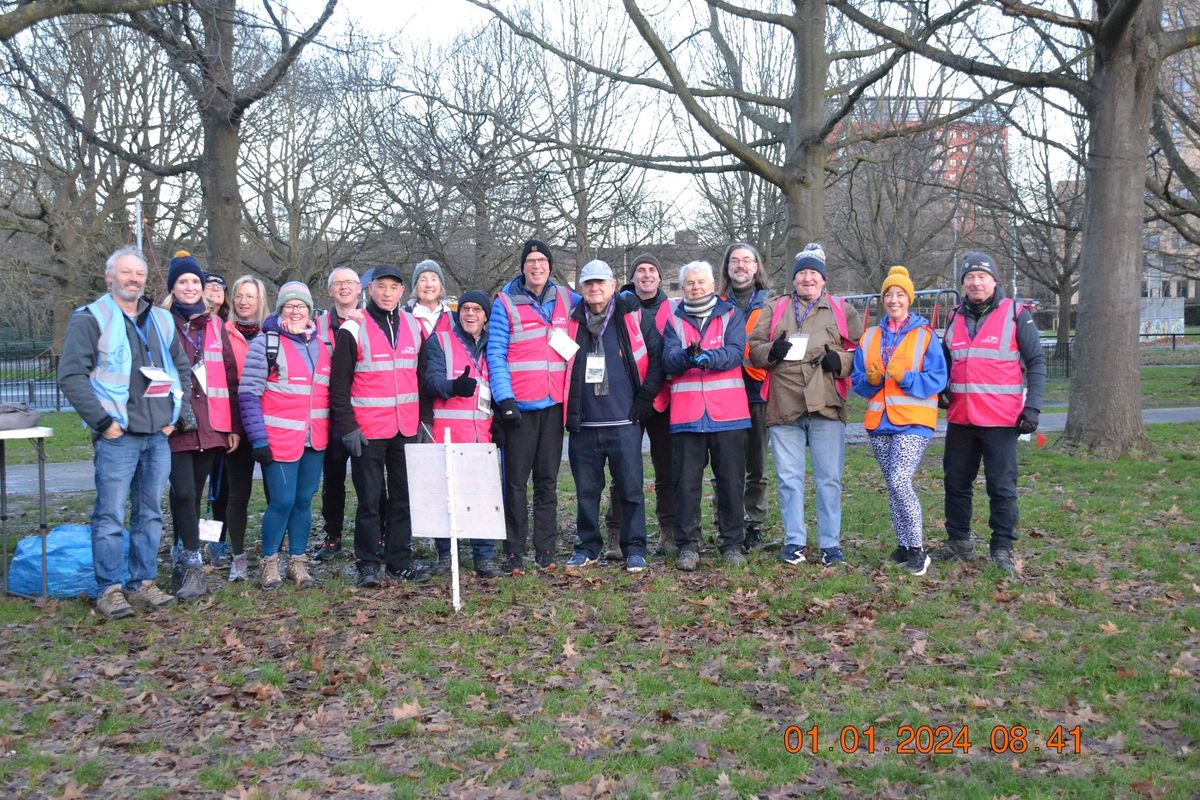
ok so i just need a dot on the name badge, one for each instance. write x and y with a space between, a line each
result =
485 398
594 372
562 344
160 382
200 377
799 347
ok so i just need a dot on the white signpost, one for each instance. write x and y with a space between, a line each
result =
454 491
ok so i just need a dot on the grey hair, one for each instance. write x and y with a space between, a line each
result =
329 280
110 266
695 266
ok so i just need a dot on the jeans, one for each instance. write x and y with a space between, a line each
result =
658 430
534 445
293 484
134 466
966 446
689 456
189 472
825 440
383 464
588 450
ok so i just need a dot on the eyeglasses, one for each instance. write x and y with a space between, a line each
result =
345 283
294 308
538 261
742 262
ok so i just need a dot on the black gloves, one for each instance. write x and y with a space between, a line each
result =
1027 420
187 419
464 385
944 398
262 454
642 411
779 349
831 361
354 442
509 414
692 351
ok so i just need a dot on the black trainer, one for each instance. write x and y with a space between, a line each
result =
413 574
328 551
1004 560
955 550
484 568
918 561
369 574
900 555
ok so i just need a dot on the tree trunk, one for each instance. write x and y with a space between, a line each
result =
221 121
1104 418
1063 290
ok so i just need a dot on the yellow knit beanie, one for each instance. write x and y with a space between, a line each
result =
897 276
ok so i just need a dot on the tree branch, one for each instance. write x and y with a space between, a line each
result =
274 74
1015 8
34 11
1116 22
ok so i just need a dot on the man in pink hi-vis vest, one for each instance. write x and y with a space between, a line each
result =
997 376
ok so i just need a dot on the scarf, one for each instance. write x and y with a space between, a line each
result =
596 323
700 309
247 329
186 311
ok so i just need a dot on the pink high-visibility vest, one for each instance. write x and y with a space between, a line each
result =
637 343
838 305
695 391
384 393
536 370
217 388
295 400
986 377
461 415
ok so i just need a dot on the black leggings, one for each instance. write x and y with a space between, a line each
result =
189 473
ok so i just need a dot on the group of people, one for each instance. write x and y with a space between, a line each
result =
208 383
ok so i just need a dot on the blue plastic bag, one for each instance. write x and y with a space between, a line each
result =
69 571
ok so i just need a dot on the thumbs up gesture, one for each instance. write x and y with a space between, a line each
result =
464 385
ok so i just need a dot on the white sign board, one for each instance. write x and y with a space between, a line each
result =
463 478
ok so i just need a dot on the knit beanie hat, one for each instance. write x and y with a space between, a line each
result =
898 276
978 262
811 257
428 265
646 258
294 290
476 296
182 263
535 246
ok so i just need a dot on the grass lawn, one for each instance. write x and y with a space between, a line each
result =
665 684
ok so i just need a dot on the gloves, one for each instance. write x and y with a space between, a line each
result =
262 454
642 411
355 442
187 419
499 433
702 360
874 376
1027 420
896 371
464 385
944 399
831 361
510 415
779 349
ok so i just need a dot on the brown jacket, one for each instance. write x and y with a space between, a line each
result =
802 387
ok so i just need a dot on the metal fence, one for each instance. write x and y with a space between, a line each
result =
28 374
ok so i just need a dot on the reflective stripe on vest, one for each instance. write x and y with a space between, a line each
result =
460 415
838 306
217 385
238 345
537 370
325 330
694 392
295 401
901 408
384 392
662 318
986 377
114 360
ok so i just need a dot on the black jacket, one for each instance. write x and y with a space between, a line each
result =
655 377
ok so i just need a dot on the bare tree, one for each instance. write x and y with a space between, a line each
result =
17 16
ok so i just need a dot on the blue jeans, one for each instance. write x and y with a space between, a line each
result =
292 485
621 447
825 440
132 466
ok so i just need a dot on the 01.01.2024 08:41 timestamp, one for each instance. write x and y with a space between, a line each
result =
933 739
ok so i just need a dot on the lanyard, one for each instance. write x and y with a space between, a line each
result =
807 311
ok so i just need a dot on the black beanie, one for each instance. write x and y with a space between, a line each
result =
182 263
535 246
476 296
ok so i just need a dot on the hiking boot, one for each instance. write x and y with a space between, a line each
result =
579 560
411 574
218 554
239 568
917 561
1003 559
735 558
268 573
148 597
688 560
370 574
513 564
545 561
613 552
635 564
297 572
112 604
192 585
667 546
900 555
753 541
328 551
484 568
792 554
442 567
955 550
832 556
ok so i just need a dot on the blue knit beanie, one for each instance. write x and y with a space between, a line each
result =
182 263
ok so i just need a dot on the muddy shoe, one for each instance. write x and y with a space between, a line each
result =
239 568
297 572
613 551
688 560
955 550
192 586
1003 559
149 597
112 604
268 573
